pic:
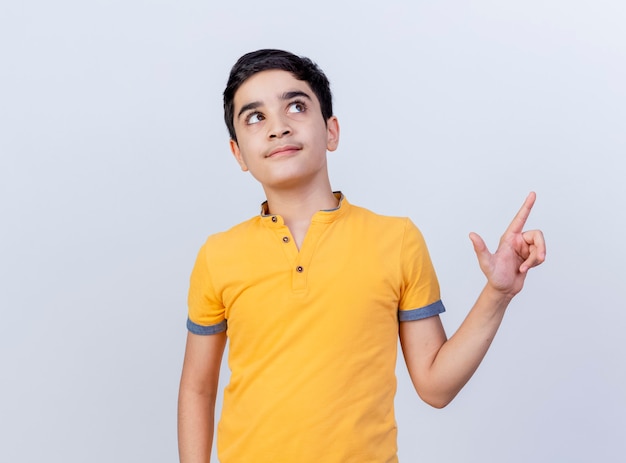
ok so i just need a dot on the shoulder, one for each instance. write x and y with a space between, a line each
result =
380 222
234 236
393 233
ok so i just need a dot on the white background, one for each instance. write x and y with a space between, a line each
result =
114 167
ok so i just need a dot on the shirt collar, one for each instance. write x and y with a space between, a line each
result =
324 215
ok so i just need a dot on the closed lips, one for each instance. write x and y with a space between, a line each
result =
283 149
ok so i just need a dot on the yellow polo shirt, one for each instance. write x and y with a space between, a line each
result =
313 332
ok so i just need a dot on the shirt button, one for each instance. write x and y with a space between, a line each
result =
299 269
274 219
285 239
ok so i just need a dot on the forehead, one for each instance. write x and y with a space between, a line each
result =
268 85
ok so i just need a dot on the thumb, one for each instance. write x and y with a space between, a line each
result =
480 248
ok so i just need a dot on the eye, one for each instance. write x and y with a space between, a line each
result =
297 107
254 118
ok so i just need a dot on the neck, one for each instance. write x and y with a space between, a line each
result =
298 206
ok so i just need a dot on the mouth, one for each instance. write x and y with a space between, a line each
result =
283 151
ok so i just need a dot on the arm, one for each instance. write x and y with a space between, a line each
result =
439 368
196 398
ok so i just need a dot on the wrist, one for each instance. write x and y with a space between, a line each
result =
497 296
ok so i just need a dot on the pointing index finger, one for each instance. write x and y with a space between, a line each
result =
517 225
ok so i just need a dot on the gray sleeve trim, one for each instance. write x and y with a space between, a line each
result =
423 312
204 330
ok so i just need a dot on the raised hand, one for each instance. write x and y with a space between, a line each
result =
517 252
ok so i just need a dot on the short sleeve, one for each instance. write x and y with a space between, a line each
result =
420 296
206 310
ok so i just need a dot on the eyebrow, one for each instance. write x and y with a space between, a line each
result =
285 96
293 94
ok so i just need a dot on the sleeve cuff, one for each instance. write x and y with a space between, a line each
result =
423 312
205 330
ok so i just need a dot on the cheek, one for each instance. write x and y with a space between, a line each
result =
247 132
252 130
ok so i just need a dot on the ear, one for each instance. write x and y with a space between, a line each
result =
332 133
234 148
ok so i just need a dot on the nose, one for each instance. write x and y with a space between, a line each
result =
279 129
280 134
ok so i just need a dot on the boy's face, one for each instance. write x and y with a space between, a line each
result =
282 137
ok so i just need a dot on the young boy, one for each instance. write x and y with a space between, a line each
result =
313 292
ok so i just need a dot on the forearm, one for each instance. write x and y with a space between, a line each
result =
460 356
444 366
197 394
195 425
